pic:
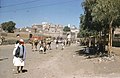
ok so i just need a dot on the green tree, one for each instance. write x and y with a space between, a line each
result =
66 29
8 26
84 32
101 16
87 26
107 10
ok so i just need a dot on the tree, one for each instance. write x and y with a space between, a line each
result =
8 26
101 16
107 10
87 26
66 29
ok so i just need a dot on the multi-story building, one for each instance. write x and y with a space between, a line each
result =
37 28
49 29
74 32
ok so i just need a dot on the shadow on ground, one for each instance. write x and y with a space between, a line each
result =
90 53
2 59
24 71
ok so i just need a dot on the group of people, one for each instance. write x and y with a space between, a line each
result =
42 44
19 51
62 42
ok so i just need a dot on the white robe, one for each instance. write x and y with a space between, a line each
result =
16 60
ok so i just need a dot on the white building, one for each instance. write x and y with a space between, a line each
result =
117 31
74 32
49 29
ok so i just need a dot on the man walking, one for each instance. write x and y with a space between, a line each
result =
19 54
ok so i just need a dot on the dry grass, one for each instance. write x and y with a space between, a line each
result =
13 36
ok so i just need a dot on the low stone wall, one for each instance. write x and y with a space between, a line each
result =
22 35
12 41
116 50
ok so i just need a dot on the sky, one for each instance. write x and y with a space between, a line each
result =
25 13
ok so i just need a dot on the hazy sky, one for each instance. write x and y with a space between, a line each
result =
28 12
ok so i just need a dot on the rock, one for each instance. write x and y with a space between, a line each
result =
73 55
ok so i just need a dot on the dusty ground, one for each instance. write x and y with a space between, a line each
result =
59 64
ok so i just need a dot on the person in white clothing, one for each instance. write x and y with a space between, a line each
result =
19 54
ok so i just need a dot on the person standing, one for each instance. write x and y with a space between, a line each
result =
56 44
62 44
36 43
19 54
69 39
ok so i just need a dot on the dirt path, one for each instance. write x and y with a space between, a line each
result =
58 64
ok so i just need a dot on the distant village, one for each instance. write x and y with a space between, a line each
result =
48 29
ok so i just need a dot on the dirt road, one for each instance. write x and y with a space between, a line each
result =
58 63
